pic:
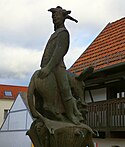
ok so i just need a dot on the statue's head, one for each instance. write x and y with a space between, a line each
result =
59 15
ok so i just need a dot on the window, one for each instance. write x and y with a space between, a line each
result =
5 112
8 93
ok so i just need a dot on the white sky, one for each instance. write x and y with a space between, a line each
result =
25 26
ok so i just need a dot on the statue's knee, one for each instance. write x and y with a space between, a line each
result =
39 126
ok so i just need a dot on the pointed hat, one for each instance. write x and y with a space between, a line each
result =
65 13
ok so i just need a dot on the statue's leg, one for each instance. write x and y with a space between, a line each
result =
66 94
77 87
77 112
70 111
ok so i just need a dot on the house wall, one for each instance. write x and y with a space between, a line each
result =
4 104
14 139
109 142
98 95
17 121
18 117
15 126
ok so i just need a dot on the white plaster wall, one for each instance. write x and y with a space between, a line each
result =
14 139
4 104
18 104
20 120
98 95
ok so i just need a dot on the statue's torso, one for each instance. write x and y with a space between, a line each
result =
50 48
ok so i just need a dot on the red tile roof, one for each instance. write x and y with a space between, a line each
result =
106 50
7 90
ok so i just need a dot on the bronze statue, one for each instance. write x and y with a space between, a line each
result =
52 61
59 95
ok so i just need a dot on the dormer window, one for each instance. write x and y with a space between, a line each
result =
8 93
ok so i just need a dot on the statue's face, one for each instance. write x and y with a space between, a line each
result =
58 18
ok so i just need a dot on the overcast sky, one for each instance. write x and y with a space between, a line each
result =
26 25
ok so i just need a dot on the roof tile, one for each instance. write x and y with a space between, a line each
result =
11 88
107 49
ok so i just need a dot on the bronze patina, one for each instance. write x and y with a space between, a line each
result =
56 96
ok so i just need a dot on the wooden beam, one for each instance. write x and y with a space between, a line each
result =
91 96
107 78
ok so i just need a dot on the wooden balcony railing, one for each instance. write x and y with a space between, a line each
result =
108 114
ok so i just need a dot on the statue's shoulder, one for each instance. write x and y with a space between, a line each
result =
57 32
61 30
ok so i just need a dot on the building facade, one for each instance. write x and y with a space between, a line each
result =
16 124
105 88
8 94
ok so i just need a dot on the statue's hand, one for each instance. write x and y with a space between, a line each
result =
44 72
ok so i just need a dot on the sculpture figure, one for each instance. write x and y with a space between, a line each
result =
56 93
52 61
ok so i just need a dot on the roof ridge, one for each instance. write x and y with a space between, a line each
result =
89 45
12 85
107 49
118 20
